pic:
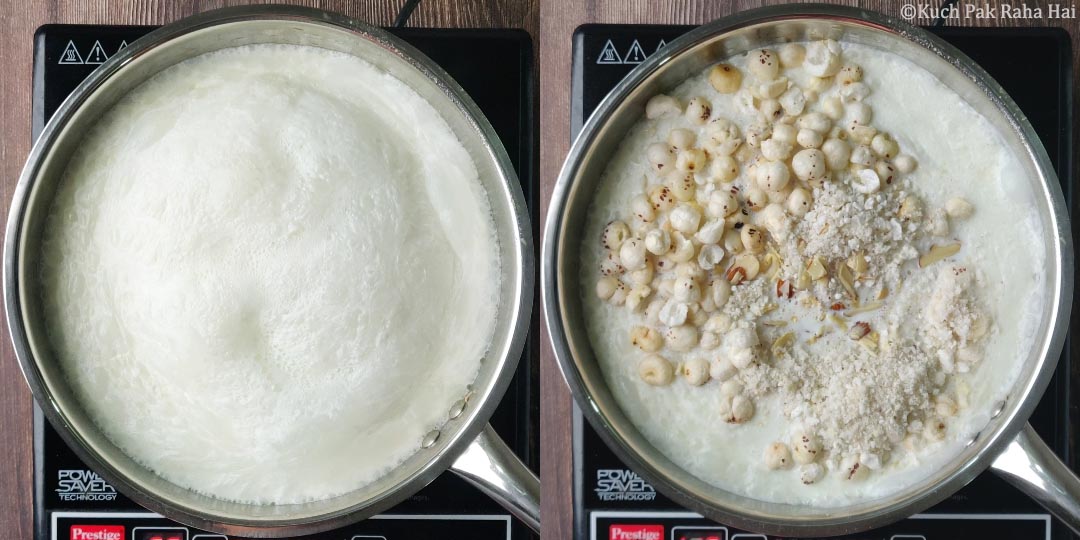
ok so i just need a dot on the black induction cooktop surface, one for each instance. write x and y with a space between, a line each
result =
495 68
612 502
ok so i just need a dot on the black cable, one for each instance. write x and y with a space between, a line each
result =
406 11
945 8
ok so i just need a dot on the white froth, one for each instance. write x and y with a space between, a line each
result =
960 154
269 271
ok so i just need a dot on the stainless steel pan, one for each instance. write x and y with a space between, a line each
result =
465 444
1007 443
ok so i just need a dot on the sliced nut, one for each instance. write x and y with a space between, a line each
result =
646 339
857 262
844 275
802 281
859 330
784 340
937 253
865 308
870 342
744 268
735 275
784 289
816 269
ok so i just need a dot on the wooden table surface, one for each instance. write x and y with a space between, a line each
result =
558 19
18 20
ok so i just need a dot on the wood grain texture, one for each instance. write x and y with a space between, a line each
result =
558 19
18 21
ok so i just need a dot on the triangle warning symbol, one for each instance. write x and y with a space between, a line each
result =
660 45
70 55
97 54
123 45
609 55
635 55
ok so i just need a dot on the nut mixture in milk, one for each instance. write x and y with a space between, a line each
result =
290 251
799 285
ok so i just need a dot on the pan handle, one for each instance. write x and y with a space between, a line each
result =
1029 465
492 467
